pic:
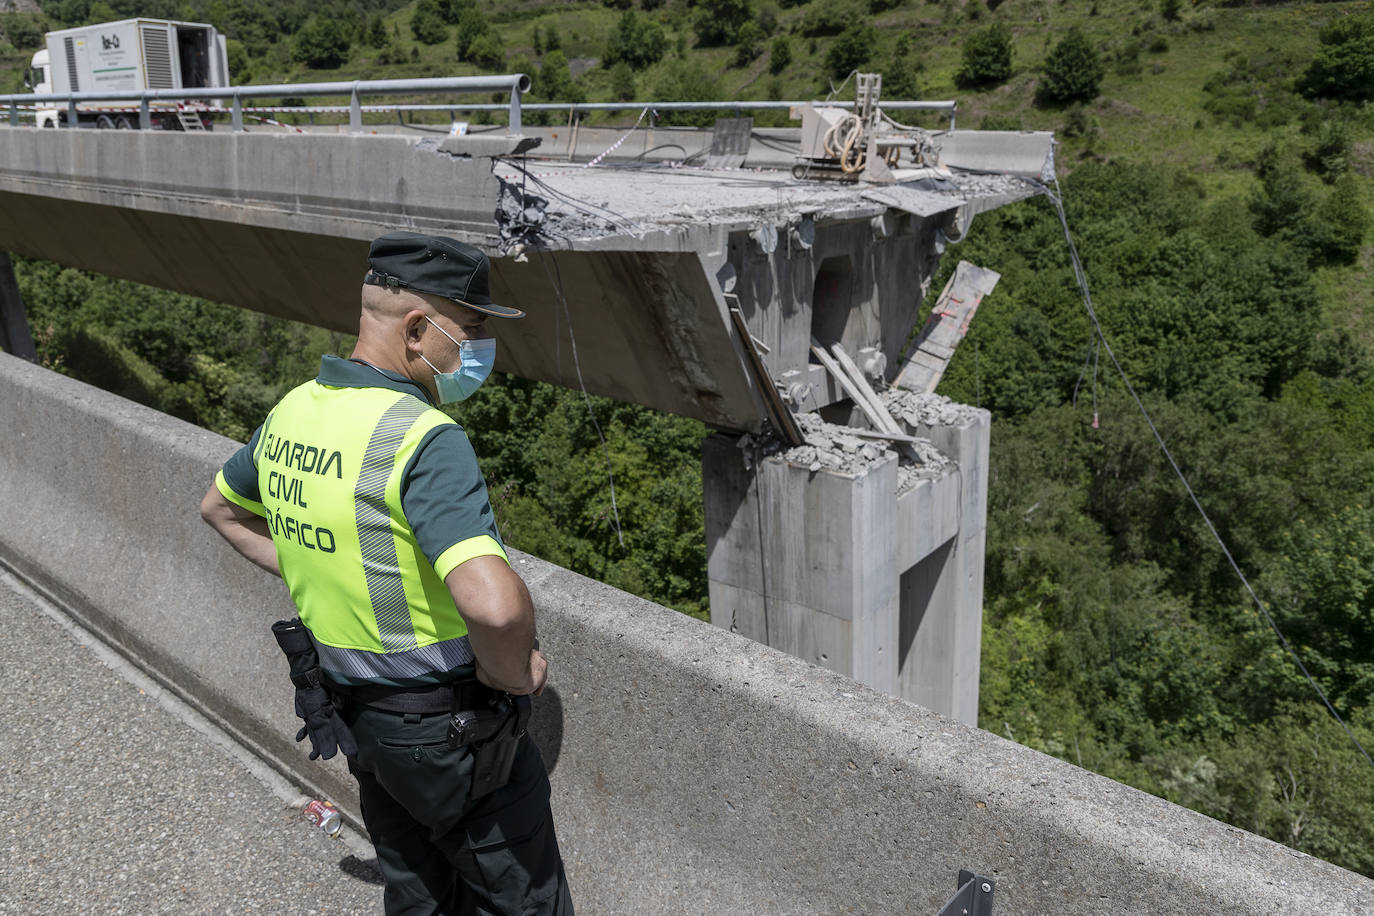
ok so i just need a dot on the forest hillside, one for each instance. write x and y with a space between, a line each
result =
1216 164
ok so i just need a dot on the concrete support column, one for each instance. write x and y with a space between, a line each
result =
849 573
15 337
805 561
941 595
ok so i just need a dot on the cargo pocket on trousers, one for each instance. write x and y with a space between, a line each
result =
517 857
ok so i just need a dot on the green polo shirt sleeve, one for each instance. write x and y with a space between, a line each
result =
445 501
237 481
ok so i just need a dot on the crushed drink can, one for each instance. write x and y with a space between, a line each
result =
324 816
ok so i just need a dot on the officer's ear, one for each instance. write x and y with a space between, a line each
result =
413 326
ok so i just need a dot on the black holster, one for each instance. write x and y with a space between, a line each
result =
493 730
299 650
314 705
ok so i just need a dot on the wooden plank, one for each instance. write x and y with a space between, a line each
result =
854 393
785 425
857 377
948 323
937 351
877 415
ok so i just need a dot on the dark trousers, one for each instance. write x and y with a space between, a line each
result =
439 851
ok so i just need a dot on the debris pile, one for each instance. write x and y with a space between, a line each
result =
845 450
834 448
917 409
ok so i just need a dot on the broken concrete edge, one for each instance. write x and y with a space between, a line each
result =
690 715
850 452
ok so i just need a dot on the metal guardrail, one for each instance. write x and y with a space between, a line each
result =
517 84
576 109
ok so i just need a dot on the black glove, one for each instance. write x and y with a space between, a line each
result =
328 733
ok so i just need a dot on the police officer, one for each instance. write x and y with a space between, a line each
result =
369 503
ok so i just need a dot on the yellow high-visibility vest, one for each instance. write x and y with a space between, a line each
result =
330 463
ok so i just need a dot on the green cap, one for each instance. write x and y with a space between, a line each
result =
436 265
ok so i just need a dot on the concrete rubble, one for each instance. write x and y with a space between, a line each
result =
916 410
843 450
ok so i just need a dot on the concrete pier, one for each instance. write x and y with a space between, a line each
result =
870 573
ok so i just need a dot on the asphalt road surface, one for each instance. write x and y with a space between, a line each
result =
118 799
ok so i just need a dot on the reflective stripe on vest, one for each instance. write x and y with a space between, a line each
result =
330 462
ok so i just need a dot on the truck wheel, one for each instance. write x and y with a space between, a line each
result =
122 123
104 123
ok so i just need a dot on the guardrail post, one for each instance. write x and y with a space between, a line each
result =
355 112
515 127
236 115
145 114
953 110
72 120
14 113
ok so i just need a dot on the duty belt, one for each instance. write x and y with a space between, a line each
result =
424 699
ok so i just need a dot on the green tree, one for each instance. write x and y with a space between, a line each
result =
375 35
717 22
1322 586
829 17
1072 72
748 43
638 41
1283 202
321 44
452 10
427 23
236 59
487 51
100 11
779 55
556 82
1344 65
622 82
900 72
986 57
1331 156
23 33
471 26
1336 230
688 81
851 50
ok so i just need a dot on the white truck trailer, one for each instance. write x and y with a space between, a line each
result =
132 54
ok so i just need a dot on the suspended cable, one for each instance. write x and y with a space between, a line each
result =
556 280
1056 198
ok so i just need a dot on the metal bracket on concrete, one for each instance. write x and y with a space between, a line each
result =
974 897
15 337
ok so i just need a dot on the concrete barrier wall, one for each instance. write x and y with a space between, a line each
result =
694 771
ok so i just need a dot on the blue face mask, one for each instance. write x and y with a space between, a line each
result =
477 358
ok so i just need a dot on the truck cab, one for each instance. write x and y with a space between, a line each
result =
38 81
